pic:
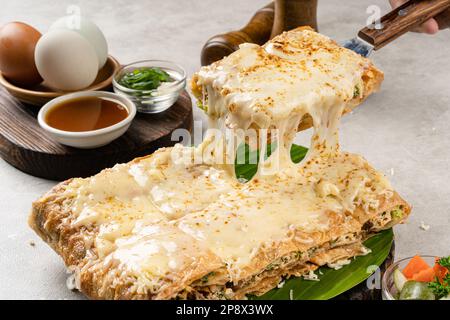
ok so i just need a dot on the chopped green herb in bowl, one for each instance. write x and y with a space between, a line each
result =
153 85
146 78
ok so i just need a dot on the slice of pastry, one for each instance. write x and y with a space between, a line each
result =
289 77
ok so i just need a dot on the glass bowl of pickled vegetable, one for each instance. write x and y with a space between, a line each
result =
417 278
153 85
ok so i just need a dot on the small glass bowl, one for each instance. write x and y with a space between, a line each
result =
157 100
389 291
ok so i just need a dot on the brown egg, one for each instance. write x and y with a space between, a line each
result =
17 43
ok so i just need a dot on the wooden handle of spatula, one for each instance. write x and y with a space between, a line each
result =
401 20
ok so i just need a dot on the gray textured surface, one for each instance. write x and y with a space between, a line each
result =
401 130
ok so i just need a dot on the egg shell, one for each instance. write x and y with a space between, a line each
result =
17 45
88 30
66 60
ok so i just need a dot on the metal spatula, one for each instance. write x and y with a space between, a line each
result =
397 22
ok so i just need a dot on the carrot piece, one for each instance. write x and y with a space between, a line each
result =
426 275
440 271
414 266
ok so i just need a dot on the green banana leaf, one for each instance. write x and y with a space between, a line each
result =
247 170
332 282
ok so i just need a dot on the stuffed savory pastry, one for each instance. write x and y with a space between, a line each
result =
169 227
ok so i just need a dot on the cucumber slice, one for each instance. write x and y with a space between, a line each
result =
399 279
413 290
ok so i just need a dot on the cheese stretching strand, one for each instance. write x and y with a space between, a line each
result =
162 227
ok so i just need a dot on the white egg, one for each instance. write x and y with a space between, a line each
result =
88 30
66 60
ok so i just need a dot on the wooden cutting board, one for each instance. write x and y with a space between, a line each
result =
27 147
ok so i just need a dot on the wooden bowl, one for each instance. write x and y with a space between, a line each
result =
40 94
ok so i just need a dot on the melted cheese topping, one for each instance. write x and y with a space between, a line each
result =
291 75
300 198
150 190
159 214
153 249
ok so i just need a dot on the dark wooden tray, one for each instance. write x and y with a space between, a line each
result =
27 147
